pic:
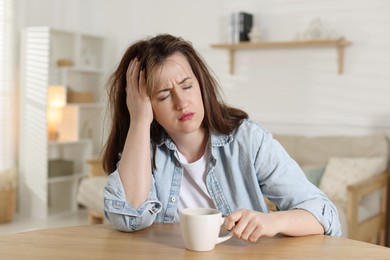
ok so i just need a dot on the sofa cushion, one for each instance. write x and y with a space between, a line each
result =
313 173
340 172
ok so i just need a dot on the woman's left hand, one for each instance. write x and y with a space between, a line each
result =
251 225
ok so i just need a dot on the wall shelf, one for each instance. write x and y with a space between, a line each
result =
339 44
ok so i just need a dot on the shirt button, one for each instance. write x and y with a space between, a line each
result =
173 199
117 205
178 164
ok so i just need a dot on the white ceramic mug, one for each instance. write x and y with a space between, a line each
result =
200 228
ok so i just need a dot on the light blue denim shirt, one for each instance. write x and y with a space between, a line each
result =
243 167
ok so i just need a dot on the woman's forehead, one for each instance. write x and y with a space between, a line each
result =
174 70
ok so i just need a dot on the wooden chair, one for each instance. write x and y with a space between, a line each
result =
372 230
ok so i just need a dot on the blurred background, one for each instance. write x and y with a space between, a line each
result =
76 44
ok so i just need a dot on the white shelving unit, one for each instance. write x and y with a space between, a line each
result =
42 51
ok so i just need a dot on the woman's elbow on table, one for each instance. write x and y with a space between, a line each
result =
128 223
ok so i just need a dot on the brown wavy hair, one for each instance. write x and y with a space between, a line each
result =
152 53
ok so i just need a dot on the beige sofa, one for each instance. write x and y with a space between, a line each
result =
362 204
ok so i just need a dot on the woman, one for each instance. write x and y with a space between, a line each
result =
175 144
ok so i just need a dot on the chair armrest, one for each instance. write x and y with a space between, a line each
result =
369 185
360 189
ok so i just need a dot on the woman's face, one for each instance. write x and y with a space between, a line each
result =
177 101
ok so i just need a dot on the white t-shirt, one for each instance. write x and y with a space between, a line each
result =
193 190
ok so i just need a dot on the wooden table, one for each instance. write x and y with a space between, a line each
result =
163 241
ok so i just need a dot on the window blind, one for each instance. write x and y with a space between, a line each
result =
8 86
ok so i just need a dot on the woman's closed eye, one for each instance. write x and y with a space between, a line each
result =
165 94
164 97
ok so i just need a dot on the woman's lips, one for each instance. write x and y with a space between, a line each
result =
187 116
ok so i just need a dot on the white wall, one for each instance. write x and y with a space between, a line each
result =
288 90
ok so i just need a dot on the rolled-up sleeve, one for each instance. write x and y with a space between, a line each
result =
121 214
326 214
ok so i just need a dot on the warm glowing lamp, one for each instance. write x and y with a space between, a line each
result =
56 102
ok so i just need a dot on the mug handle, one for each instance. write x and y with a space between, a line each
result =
224 238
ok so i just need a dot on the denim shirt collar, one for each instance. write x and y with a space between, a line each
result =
165 139
216 140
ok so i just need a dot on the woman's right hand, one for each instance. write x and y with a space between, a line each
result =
138 102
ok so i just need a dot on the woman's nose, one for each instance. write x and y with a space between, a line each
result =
180 101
